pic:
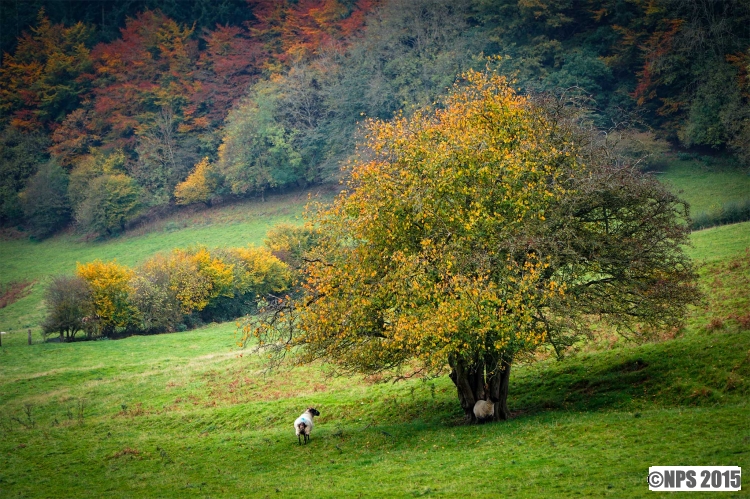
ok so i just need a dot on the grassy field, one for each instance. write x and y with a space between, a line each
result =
707 187
719 243
192 415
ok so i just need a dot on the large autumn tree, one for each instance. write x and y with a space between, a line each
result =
472 235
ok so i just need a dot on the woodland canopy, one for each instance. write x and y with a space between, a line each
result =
167 93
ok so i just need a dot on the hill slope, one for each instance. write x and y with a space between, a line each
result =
235 225
189 413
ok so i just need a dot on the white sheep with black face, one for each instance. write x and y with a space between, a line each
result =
303 425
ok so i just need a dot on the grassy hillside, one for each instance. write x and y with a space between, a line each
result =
708 185
719 243
191 415
22 260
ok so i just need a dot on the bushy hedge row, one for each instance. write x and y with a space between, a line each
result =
169 292
729 213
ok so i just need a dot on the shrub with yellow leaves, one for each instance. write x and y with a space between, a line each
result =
110 289
196 277
257 273
199 186
168 292
290 242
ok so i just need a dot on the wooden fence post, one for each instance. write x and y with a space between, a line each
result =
29 336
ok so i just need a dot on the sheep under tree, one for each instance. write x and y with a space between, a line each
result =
472 235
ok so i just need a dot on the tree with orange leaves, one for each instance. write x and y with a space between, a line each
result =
473 235
47 75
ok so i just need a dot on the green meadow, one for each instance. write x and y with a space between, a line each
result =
193 415
707 187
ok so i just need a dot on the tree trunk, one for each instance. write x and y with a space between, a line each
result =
471 379
499 383
464 379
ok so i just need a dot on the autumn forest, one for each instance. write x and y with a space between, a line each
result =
115 113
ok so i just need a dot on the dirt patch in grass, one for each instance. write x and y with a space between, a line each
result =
14 291
127 451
